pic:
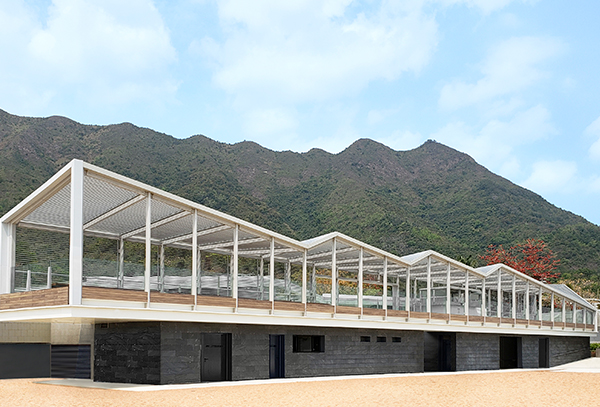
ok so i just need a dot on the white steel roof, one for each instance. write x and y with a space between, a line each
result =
114 207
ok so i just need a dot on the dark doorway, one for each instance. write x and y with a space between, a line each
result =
510 352
544 352
439 352
445 353
216 357
276 356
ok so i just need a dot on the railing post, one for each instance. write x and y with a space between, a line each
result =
49 278
28 281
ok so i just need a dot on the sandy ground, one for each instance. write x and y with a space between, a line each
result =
515 388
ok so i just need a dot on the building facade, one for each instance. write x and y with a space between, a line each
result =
102 276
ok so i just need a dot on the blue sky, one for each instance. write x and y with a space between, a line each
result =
512 83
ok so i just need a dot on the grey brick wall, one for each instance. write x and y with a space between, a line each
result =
127 353
346 355
171 352
531 352
477 351
565 349
180 353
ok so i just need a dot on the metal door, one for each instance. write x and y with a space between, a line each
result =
276 356
212 351
445 354
544 361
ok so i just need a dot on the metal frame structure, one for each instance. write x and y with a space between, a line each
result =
330 280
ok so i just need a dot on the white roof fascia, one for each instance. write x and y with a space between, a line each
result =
39 196
567 292
415 258
547 287
316 241
371 249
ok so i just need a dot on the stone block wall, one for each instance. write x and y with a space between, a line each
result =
168 352
565 349
127 353
531 352
477 351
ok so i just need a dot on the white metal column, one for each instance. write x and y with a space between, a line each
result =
466 293
564 310
540 316
304 278
7 256
407 291
384 297
527 302
483 299
195 255
360 278
333 272
428 307
234 254
499 295
272 271
448 292
161 268
552 309
121 272
148 244
76 231
514 297
262 278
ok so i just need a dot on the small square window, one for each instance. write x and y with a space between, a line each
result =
365 339
309 343
381 339
396 339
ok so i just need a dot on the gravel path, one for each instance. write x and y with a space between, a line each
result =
532 388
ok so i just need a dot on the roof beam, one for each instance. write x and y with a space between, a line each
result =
227 244
156 224
200 233
114 211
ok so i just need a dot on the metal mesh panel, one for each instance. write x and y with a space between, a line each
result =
42 259
179 227
55 211
100 197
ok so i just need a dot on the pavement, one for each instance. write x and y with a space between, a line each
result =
591 365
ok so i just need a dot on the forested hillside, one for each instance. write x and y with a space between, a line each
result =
432 197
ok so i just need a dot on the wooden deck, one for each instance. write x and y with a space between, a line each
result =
60 296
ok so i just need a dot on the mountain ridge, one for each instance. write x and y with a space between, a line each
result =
431 197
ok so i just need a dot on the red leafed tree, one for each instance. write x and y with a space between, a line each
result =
533 258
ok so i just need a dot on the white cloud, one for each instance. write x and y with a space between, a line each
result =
95 51
402 140
510 67
268 122
551 176
593 130
486 6
309 50
493 144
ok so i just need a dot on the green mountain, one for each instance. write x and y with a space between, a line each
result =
432 197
